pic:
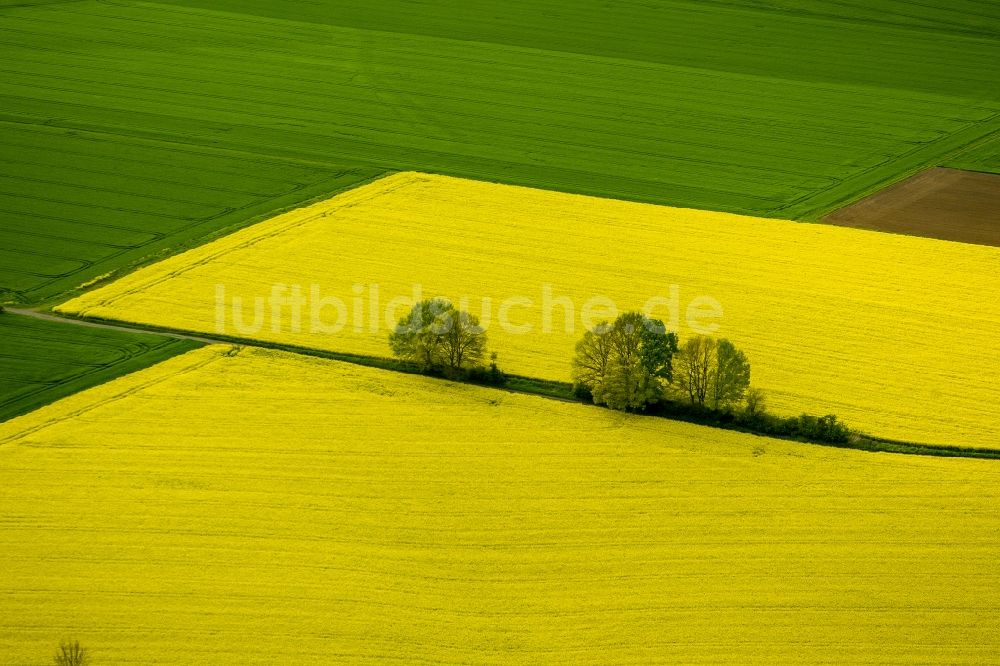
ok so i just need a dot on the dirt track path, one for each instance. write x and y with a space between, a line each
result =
45 316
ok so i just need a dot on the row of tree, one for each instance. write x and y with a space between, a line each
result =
629 364
634 362
626 364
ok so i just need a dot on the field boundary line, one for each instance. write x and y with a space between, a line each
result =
134 383
45 316
255 233
546 389
982 130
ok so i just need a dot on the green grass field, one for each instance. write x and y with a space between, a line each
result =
43 361
773 111
879 43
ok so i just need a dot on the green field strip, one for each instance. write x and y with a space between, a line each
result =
115 184
26 224
118 176
390 55
107 225
883 43
48 145
18 4
39 263
972 17
273 62
57 248
43 361
98 197
431 68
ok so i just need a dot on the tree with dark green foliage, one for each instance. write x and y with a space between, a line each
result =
823 428
627 364
436 335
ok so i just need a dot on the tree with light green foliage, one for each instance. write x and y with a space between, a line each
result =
434 334
627 364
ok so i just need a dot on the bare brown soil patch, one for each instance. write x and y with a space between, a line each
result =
940 203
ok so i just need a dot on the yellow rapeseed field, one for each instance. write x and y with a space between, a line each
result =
898 335
271 508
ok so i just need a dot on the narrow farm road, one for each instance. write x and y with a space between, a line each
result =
46 316
222 340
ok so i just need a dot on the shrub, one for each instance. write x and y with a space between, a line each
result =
491 376
72 654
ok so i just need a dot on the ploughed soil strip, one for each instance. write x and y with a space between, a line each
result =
948 204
